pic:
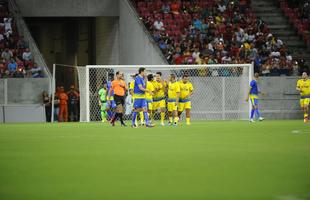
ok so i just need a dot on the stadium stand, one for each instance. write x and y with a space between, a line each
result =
215 31
16 58
298 13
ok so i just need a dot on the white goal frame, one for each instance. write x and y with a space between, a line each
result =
86 115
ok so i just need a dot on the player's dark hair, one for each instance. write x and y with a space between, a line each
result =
159 73
173 76
150 77
141 69
185 75
110 76
117 73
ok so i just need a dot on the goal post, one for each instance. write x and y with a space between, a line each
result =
220 90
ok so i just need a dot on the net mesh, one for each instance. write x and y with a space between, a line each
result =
219 91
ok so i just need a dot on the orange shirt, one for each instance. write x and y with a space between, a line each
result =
119 87
175 7
63 98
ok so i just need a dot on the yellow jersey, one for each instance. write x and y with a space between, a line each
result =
131 87
160 89
149 87
173 90
304 86
185 89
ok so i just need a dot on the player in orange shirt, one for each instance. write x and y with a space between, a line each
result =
119 87
63 105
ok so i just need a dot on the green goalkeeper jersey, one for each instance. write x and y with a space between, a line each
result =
103 95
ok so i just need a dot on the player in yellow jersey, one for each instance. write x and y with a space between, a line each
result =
149 95
131 87
159 97
173 99
303 86
186 90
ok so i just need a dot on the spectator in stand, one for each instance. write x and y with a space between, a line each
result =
165 8
20 72
63 105
148 23
159 25
196 54
162 45
266 67
175 7
22 44
221 7
227 31
1 38
295 69
27 55
12 67
197 23
7 27
7 54
73 102
3 69
258 64
11 44
36 71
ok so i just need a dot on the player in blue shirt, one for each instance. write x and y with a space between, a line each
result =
253 96
110 100
140 103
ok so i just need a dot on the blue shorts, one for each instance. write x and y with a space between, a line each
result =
140 103
254 101
111 104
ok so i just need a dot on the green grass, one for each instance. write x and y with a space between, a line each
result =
207 160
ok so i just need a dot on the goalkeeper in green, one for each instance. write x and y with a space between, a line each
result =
103 102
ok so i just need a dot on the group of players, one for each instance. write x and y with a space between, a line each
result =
150 93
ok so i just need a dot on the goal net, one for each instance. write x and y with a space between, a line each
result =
219 90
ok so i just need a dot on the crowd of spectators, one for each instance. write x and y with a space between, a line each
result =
16 60
298 13
215 32
301 6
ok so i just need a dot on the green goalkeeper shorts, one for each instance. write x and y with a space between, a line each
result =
103 106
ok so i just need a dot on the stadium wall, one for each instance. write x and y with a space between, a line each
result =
68 8
22 113
107 40
21 99
281 100
136 44
26 91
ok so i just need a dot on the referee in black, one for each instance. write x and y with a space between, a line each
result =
119 87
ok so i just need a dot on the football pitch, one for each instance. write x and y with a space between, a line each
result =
216 160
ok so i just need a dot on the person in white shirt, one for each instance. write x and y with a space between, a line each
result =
159 25
7 24
196 53
27 56
221 7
